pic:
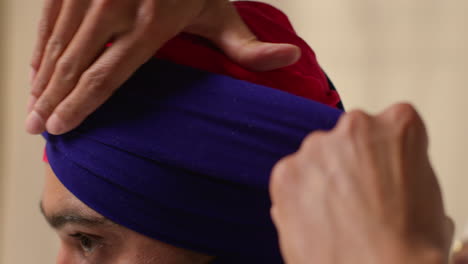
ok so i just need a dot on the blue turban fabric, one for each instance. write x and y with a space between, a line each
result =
184 156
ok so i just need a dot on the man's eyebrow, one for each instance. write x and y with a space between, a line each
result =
59 220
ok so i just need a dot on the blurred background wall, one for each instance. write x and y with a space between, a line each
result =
377 53
2 110
24 236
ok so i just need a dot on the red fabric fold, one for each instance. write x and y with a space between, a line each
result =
305 78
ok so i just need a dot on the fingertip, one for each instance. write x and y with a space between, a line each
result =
34 123
55 125
270 56
286 54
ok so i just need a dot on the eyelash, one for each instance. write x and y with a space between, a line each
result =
86 243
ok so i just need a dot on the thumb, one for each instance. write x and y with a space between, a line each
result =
220 23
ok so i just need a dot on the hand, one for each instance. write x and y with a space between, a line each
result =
460 256
73 72
363 193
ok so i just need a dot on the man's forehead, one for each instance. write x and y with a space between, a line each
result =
54 188
58 201
60 218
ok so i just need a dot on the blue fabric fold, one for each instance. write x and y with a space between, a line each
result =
184 156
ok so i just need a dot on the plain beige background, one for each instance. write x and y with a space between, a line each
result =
377 52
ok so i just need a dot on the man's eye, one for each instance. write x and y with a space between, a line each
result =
87 243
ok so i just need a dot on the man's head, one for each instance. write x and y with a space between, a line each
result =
182 153
88 237
188 167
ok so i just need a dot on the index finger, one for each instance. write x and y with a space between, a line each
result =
99 82
50 13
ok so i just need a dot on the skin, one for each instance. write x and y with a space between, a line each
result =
89 238
73 73
461 255
364 192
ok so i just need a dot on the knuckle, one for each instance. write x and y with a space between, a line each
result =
151 15
44 28
403 112
44 106
405 118
357 117
66 69
275 215
355 123
281 168
94 82
311 141
67 114
54 48
35 62
281 174
146 21
37 90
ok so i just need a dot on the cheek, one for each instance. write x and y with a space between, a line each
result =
139 255
65 255
141 250
68 255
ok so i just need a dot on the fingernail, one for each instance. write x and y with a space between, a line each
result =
32 76
55 125
34 123
31 103
280 55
